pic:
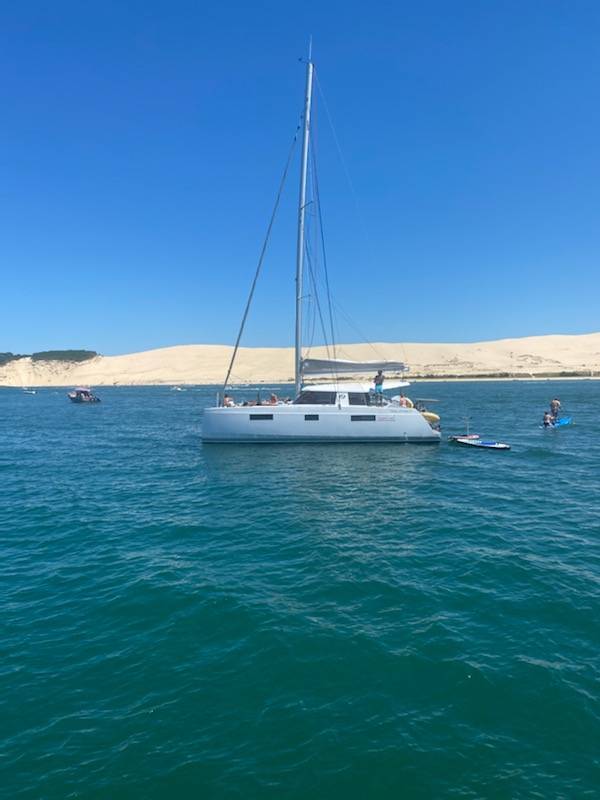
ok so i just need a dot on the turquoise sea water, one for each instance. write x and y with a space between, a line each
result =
298 621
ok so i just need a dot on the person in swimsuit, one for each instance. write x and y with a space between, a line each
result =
548 419
378 381
555 407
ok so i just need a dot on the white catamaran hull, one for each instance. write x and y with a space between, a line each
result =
316 423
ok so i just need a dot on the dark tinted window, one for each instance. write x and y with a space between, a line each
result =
363 417
359 399
261 416
311 417
315 398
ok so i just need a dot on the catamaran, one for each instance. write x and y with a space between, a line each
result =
337 411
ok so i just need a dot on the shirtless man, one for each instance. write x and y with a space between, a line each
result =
378 381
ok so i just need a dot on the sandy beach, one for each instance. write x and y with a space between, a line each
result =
542 356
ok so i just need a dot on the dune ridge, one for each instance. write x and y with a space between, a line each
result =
547 356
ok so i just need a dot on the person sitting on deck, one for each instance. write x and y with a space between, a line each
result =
555 407
548 419
403 401
228 401
273 400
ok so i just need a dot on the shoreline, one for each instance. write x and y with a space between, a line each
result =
532 358
239 386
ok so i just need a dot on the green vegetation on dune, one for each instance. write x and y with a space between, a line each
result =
50 355
6 357
63 355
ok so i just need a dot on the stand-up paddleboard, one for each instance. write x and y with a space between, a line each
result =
468 442
563 421
560 423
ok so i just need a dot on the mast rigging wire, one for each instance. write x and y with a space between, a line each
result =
317 301
313 267
262 256
322 233
357 205
358 211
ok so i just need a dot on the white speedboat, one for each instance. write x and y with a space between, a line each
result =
324 412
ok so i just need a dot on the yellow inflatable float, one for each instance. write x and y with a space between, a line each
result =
432 418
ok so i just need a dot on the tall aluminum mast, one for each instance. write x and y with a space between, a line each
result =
301 217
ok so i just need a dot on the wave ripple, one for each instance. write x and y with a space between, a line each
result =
278 622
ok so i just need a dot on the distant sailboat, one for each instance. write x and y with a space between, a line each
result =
337 411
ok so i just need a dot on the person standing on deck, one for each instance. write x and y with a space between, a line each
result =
378 381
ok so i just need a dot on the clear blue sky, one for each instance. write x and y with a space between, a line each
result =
141 145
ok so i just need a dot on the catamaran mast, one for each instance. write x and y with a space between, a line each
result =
301 217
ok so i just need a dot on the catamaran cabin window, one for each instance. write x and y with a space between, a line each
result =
362 418
261 416
311 417
359 399
315 399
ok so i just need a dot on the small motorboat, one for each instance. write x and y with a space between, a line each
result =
82 395
468 435
28 391
469 441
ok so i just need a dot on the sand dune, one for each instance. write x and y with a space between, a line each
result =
531 356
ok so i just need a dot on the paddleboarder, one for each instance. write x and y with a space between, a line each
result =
555 407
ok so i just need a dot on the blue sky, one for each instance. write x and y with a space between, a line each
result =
141 146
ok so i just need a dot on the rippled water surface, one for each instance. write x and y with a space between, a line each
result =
359 621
